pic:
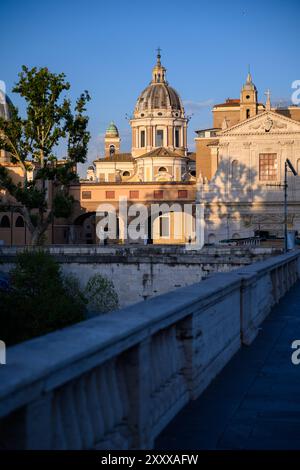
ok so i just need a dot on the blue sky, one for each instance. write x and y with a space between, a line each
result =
108 47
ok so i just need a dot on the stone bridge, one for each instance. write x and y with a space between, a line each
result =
174 371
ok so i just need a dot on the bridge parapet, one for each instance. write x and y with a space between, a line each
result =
115 381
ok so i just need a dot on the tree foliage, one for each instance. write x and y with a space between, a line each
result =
31 143
101 295
39 300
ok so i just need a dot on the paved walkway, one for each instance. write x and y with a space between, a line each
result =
254 403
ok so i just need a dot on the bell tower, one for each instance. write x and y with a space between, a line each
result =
112 140
248 99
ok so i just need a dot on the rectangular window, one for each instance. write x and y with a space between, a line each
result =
158 194
143 140
267 166
159 138
86 194
164 226
177 143
134 194
182 194
101 177
110 194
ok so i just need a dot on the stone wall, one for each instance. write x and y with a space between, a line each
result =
142 273
115 381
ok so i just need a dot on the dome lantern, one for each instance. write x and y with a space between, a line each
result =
158 71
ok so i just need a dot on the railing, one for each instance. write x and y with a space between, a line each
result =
115 381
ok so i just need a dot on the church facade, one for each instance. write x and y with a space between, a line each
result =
241 175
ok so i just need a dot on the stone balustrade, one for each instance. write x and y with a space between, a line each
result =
115 381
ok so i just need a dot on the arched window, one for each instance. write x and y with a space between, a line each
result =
112 150
235 169
235 236
126 173
159 138
20 222
162 169
143 140
177 139
247 113
5 223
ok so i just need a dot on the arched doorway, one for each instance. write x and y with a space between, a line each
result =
83 230
174 227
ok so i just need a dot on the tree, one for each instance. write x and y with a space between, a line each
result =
31 142
39 300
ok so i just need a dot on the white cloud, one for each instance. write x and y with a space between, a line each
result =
194 106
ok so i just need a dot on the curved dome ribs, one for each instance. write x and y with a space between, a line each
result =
159 96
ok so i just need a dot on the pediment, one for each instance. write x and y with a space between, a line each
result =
267 122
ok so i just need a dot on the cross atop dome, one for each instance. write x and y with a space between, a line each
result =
158 72
158 56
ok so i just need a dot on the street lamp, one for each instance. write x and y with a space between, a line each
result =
287 165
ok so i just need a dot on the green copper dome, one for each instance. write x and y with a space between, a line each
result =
112 129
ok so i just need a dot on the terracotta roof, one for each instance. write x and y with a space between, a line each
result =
118 157
228 103
232 102
161 152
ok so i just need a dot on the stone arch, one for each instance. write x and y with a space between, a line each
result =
19 222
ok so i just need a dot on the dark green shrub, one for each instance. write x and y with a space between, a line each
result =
40 300
101 295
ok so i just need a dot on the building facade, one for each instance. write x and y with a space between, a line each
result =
237 173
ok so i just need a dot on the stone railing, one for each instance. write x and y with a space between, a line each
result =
115 381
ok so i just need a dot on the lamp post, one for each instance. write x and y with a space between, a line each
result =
287 165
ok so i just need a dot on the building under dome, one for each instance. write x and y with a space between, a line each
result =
159 139
159 119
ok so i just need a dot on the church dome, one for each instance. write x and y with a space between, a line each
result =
112 130
158 96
